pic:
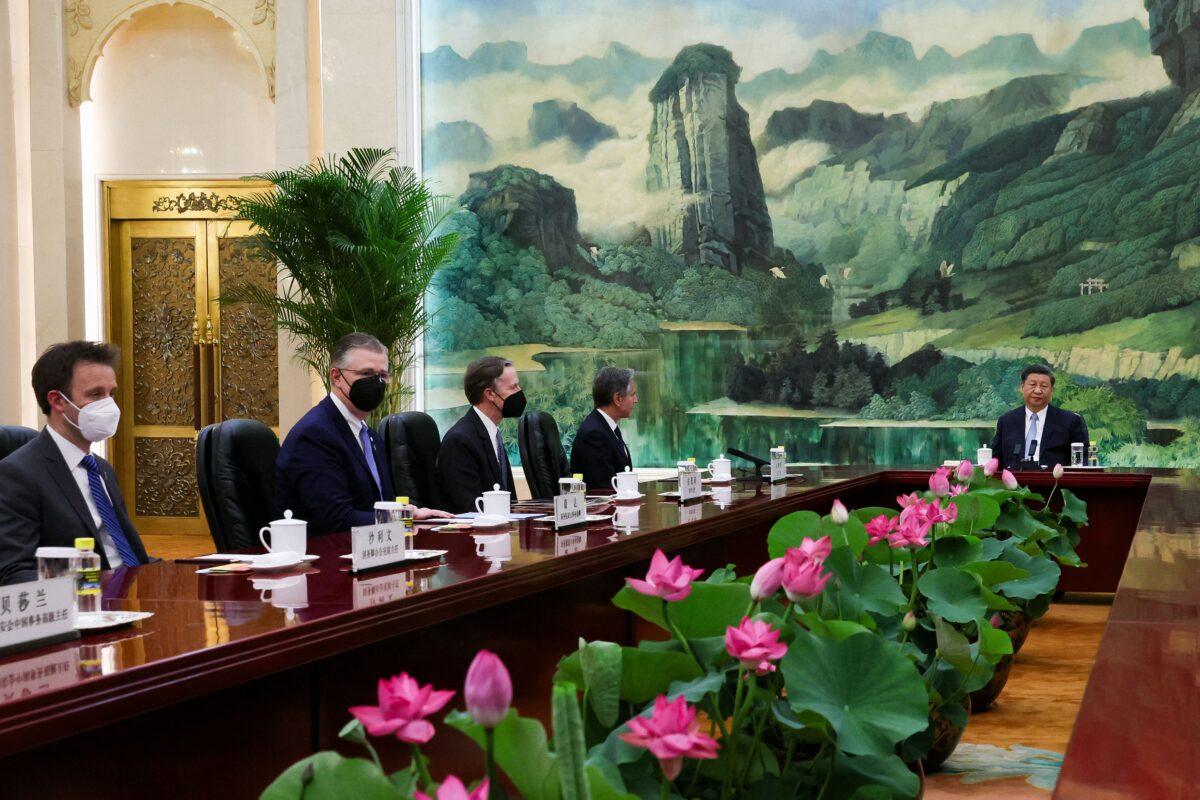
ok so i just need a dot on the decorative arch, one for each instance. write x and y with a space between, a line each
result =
88 25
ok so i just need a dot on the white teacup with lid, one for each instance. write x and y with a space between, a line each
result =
625 484
494 504
287 535
721 469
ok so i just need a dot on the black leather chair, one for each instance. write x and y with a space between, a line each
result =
13 437
542 454
412 442
235 470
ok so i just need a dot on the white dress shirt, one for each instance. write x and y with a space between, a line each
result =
492 430
74 456
356 424
612 424
1041 429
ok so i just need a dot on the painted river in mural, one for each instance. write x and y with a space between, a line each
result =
685 372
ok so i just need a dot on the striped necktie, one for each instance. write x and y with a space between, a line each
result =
108 514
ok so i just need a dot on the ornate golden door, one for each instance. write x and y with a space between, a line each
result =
186 360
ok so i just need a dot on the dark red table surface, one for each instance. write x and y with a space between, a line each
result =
1137 734
210 632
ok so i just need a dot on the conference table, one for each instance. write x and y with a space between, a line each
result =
237 676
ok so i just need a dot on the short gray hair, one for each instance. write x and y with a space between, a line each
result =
353 341
610 381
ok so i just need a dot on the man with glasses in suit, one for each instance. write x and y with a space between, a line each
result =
332 467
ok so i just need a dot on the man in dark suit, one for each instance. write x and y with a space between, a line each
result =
472 458
53 489
600 451
1037 433
332 469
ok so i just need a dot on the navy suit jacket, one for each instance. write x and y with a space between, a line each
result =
1054 440
321 474
597 453
41 506
467 465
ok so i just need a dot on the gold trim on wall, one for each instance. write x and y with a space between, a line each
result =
88 25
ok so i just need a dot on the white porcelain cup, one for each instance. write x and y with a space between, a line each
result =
720 468
287 535
290 592
625 484
496 503
983 455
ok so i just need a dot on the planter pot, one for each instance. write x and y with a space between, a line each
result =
946 736
983 698
1016 624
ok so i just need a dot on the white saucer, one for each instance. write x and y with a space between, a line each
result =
102 620
624 498
269 562
490 522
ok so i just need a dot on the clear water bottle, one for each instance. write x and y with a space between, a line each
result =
86 565
406 518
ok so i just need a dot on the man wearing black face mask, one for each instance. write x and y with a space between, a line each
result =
332 469
472 458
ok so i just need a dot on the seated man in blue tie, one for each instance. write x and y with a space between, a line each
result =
331 469
1038 434
54 489
472 458
600 451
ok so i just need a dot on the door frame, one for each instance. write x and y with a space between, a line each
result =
152 200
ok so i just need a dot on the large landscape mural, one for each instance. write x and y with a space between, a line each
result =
841 227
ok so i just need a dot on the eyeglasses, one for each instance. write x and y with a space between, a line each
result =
370 373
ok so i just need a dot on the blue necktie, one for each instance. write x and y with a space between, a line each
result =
501 459
1031 436
364 436
108 514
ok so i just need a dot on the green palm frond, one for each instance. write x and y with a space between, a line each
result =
358 241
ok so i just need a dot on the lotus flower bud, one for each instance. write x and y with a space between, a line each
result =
910 621
839 514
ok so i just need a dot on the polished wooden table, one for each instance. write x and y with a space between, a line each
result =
236 677
1137 734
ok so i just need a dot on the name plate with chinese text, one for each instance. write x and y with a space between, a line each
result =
778 466
37 612
570 509
374 546
690 486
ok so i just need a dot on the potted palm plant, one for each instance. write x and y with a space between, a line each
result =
357 240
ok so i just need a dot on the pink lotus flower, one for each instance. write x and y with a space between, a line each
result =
802 576
767 580
955 491
1057 472
948 514
990 468
755 644
670 580
939 482
1010 480
671 734
879 528
995 621
403 706
906 500
913 532
839 514
488 690
965 471
452 789
815 549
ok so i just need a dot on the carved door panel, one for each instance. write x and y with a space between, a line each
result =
247 352
187 361
162 280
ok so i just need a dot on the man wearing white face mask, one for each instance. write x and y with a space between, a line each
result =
54 489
